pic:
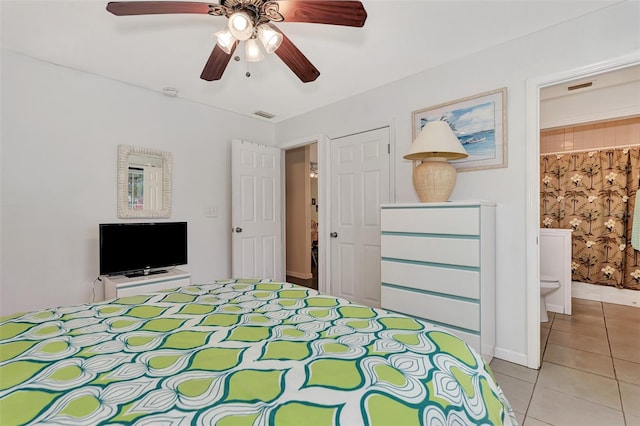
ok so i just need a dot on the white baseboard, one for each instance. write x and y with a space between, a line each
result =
300 275
556 308
511 356
601 293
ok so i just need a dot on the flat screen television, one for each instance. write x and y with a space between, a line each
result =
135 249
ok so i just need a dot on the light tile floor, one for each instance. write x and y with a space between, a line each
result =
590 373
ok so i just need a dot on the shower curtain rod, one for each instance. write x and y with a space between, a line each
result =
588 150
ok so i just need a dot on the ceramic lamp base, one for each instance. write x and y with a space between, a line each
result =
434 180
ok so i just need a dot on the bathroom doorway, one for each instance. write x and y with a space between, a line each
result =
534 91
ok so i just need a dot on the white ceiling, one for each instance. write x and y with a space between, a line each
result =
400 38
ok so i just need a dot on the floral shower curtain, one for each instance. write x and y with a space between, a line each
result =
594 193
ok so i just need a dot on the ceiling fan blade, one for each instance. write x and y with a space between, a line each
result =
295 59
217 63
123 8
336 12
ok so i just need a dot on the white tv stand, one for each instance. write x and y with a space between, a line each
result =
122 286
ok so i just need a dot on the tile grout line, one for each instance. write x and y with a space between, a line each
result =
533 390
563 344
615 373
584 371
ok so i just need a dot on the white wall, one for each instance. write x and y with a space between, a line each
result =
622 100
593 38
60 131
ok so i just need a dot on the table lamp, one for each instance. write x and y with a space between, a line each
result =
434 179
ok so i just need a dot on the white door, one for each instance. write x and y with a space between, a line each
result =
359 184
255 211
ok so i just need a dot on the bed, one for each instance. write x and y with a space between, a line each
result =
239 352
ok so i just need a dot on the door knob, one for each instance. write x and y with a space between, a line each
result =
333 235
238 230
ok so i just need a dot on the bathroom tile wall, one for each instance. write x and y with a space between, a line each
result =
607 134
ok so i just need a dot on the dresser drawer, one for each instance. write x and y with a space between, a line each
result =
448 251
456 282
429 220
457 313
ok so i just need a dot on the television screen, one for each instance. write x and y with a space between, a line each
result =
141 248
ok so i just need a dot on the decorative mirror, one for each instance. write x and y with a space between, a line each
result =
144 183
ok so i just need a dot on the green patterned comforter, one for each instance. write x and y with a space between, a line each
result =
239 352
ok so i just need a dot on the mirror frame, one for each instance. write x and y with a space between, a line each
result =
124 212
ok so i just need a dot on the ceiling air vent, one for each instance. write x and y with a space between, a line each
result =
264 114
580 86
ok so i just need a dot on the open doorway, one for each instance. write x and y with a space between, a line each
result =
301 206
534 88
589 163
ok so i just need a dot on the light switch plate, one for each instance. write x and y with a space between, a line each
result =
211 211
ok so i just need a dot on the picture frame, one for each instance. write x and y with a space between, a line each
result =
479 122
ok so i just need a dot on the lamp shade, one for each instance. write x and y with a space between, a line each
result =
241 25
226 40
252 51
270 38
436 140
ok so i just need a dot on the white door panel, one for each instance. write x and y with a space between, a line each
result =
371 270
255 212
247 257
359 184
346 279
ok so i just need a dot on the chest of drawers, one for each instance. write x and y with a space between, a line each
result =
438 264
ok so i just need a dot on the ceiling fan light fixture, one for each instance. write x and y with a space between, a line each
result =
270 38
241 25
244 17
226 40
252 52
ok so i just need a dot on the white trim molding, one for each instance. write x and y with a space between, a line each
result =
533 87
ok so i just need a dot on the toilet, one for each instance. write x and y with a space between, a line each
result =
548 285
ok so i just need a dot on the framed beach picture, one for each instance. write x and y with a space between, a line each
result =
479 122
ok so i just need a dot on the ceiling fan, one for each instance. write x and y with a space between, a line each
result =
250 21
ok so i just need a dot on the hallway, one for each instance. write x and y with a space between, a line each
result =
311 282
